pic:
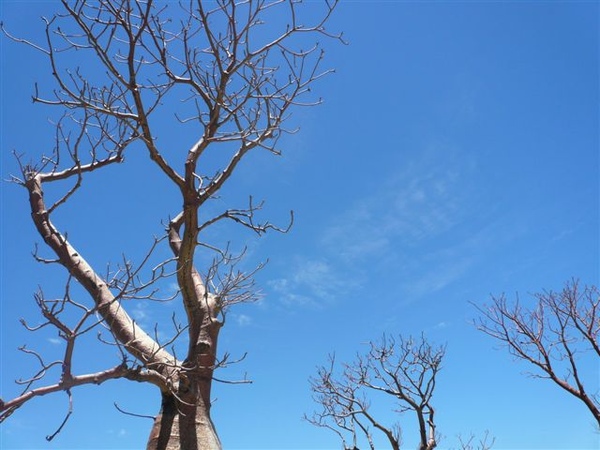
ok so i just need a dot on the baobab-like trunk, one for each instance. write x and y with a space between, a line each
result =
243 83
183 426
184 420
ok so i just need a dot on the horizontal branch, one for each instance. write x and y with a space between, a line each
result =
8 407
79 169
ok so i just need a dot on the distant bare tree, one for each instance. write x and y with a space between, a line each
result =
235 81
555 336
405 369
471 443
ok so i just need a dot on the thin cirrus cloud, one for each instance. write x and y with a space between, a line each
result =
311 282
402 228
409 208
407 217
243 320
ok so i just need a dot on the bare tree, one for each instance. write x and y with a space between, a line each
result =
234 80
405 369
556 335
471 443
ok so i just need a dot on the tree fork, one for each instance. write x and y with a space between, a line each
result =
136 52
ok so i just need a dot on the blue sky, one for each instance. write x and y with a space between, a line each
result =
455 156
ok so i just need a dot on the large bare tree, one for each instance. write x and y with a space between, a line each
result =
234 69
557 335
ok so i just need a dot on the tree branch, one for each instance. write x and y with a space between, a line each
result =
550 335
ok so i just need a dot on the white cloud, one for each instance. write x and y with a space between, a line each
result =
425 199
120 433
243 320
309 282
172 288
438 275
393 232
139 312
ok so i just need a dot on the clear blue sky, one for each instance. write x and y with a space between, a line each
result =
456 156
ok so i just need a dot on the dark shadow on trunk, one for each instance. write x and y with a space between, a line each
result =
183 426
163 424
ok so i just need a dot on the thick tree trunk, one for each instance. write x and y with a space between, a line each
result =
181 426
184 421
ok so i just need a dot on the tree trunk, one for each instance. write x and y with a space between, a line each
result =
184 421
183 426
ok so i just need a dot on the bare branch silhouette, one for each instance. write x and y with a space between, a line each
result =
225 81
554 336
405 369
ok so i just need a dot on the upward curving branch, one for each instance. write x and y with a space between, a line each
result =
557 336
135 340
224 74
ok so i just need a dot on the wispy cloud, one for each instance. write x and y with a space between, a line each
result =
420 202
406 228
243 320
441 325
309 282
120 432
433 277
140 312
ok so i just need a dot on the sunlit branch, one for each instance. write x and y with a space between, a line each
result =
560 327
404 370
8 407
135 60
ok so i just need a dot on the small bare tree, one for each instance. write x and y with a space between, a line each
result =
556 335
470 442
119 68
405 369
